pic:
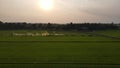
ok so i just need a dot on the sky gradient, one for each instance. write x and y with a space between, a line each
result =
64 11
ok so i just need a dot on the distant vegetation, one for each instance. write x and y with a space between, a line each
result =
50 26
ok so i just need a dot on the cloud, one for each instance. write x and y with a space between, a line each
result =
64 11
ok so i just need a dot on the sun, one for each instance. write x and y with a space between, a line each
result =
46 4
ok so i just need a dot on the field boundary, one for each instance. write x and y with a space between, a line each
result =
102 35
59 41
59 63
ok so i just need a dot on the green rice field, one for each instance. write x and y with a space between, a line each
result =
58 49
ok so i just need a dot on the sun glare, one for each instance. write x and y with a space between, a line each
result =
46 4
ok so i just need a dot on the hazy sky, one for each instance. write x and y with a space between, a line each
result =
63 11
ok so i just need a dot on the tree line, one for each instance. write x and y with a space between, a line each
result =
50 26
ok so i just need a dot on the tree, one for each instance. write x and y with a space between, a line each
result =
1 22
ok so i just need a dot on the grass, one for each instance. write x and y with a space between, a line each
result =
69 36
115 33
60 38
58 51
57 66
84 53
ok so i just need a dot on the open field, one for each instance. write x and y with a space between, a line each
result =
115 33
25 35
67 50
